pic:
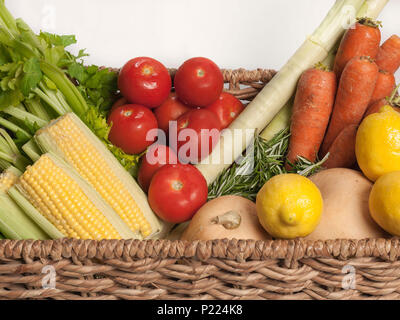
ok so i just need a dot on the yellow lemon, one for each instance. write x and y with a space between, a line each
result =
289 206
378 143
384 202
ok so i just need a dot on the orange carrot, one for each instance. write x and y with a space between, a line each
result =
342 152
392 100
356 86
311 111
363 39
375 107
385 84
388 57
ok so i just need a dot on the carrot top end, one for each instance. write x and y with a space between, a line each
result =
368 58
394 99
321 66
369 22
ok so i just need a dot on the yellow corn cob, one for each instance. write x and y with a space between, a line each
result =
68 202
14 223
8 178
71 140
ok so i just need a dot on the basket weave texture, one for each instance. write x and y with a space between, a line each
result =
219 269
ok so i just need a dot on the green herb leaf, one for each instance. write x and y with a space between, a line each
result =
57 40
32 76
98 86
263 160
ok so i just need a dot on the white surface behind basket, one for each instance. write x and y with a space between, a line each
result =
234 33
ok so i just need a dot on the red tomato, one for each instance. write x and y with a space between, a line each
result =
198 82
199 131
130 125
177 191
170 110
145 81
227 108
156 157
119 103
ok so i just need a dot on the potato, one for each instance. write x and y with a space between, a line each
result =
226 217
346 214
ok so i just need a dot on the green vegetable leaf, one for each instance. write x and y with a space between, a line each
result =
98 86
32 75
10 98
4 83
78 72
4 56
57 40
98 124
7 67
54 55
81 54
32 127
21 138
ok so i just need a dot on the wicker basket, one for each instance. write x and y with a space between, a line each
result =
220 269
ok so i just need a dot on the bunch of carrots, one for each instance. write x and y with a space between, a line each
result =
330 105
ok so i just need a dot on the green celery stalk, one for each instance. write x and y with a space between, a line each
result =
9 151
53 103
71 93
14 128
29 36
37 109
32 150
57 97
4 164
6 18
25 116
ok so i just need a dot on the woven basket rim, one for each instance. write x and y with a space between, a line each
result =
240 250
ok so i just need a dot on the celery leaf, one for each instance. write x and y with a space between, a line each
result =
32 76
58 40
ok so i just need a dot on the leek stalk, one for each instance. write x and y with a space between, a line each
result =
371 9
261 111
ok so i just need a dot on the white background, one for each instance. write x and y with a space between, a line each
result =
233 33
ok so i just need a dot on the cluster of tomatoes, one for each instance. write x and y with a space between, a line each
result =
150 108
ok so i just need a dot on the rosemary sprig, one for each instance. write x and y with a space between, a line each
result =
263 160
